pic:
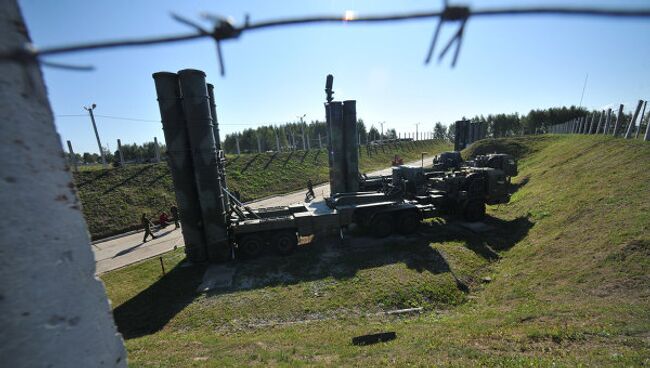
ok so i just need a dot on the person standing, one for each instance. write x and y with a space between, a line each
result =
174 212
146 224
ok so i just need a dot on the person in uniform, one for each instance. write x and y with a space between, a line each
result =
310 191
146 224
174 212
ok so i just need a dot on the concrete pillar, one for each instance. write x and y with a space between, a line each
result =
630 128
73 158
259 144
237 143
156 148
320 143
179 159
638 131
119 152
196 107
277 142
54 311
592 121
619 120
601 117
607 121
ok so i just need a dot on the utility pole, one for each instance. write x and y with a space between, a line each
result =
73 157
156 149
320 144
119 151
237 143
302 131
381 137
277 141
416 131
99 143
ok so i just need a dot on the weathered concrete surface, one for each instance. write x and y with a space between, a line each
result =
53 311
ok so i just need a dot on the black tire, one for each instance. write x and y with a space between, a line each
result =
251 245
409 222
474 211
381 225
285 242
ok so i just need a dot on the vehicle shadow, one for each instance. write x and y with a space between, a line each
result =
329 256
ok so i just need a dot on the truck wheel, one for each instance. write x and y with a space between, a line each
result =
251 245
408 222
381 225
474 211
285 242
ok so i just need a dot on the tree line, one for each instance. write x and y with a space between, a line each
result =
132 153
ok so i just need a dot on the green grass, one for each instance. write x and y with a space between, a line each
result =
114 199
568 258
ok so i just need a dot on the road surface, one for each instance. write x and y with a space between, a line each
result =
126 249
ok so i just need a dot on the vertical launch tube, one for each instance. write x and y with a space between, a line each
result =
351 153
179 159
338 172
196 106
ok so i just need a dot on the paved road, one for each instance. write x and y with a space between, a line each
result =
125 250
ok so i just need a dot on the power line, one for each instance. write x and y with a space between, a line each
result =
224 29
112 117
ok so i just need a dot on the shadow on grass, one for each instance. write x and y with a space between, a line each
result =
249 163
271 158
82 183
151 310
286 160
230 161
141 171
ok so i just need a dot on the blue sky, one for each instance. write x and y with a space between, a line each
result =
506 64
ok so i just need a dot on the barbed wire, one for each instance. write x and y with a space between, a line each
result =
224 29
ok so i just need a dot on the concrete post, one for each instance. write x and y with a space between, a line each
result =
638 131
630 128
237 143
608 119
179 159
156 150
73 158
54 310
646 137
120 153
619 120
259 143
277 142
592 121
601 116
196 107
302 133
320 143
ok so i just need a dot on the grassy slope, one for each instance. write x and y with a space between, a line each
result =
113 199
571 285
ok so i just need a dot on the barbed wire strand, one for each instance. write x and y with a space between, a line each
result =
224 29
